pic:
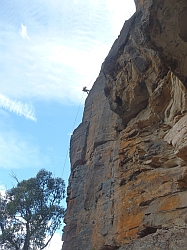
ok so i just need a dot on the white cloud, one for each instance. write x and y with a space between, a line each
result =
23 32
56 242
48 71
69 43
17 152
121 7
120 11
2 190
17 107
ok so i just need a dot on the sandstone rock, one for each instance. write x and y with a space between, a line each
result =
78 145
128 182
174 239
90 185
177 137
165 27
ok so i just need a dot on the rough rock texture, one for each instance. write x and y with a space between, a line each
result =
128 182
91 182
162 240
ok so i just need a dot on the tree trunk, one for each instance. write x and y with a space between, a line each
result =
27 238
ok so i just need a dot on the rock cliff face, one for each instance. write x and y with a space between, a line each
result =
128 182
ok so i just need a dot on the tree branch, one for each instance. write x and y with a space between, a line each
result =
13 175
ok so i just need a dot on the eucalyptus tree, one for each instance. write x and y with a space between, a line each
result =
31 212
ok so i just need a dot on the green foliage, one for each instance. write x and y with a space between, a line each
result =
31 212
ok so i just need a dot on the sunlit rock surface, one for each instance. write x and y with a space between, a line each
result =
128 182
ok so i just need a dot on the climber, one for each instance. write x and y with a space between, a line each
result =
85 90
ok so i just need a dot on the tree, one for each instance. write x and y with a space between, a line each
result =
31 212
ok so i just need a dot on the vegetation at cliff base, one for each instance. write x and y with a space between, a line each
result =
31 212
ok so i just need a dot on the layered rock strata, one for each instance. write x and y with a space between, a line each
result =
128 182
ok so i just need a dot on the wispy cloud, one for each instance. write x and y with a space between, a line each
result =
23 32
67 44
17 107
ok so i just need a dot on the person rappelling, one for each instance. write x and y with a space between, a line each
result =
85 90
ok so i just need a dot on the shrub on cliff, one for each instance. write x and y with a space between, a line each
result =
31 212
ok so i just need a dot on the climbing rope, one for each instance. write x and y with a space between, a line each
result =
73 127
66 157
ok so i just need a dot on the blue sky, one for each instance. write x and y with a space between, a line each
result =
49 50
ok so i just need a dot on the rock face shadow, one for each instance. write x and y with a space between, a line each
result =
182 21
